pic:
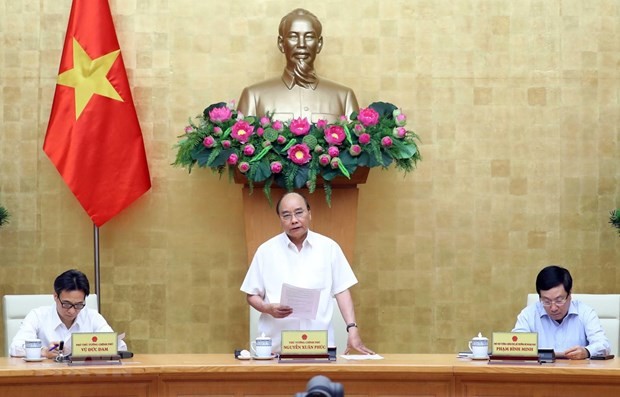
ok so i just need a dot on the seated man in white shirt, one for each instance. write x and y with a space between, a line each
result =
569 327
54 324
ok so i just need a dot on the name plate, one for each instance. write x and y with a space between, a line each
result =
304 343
89 344
519 344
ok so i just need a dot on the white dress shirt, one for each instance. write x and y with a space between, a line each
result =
320 264
45 324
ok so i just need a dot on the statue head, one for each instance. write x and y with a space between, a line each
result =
300 41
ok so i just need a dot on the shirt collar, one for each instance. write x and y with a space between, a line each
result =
78 320
56 317
307 242
289 80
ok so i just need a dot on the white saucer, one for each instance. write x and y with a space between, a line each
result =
33 360
265 358
480 358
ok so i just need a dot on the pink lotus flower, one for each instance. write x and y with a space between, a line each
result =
209 141
333 151
400 119
281 139
334 163
324 159
277 125
368 117
189 129
318 149
365 139
399 132
244 167
232 159
260 131
264 121
358 129
241 131
266 143
321 124
343 118
334 134
386 141
226 144
219 115
299 126
248 150
355 150
299 154
276 167
217 131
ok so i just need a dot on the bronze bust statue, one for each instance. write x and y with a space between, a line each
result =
299 92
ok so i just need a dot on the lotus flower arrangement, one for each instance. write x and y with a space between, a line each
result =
297 153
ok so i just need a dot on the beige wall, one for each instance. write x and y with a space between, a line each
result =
516 103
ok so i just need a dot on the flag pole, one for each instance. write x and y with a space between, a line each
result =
102 184
97 273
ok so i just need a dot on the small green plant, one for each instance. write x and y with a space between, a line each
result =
614 219
4 216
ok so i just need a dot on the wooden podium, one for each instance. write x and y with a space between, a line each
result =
337 222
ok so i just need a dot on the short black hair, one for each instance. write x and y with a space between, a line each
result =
286 194
72 280
551 277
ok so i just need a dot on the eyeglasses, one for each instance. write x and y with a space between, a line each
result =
69 305
287 216
558 302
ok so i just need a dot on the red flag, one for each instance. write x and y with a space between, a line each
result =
93 136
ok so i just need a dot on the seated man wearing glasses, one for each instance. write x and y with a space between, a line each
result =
570 327
304 259
55 323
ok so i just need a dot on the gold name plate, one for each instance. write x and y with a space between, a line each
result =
522 344
304 343
94 344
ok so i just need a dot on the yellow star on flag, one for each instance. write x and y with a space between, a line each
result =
88 77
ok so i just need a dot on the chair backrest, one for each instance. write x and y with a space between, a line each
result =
340 327
16 307
607 307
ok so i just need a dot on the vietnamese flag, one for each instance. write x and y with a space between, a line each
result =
93 136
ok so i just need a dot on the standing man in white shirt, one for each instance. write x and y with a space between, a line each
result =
304 259
55 323
569 327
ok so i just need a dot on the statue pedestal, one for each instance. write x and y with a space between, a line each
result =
338 222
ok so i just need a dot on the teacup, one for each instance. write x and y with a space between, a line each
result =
33 348
479 346
261 346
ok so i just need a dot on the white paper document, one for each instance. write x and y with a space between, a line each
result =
361 356
304 301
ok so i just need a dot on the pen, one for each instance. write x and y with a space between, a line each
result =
57 345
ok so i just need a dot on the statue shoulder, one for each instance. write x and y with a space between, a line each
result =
265 84
332 85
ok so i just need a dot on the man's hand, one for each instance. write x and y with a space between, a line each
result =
45 350
278 311
354 342
576 353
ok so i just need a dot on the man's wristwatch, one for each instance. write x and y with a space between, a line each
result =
351 325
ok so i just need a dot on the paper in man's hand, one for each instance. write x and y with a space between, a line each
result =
304 301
